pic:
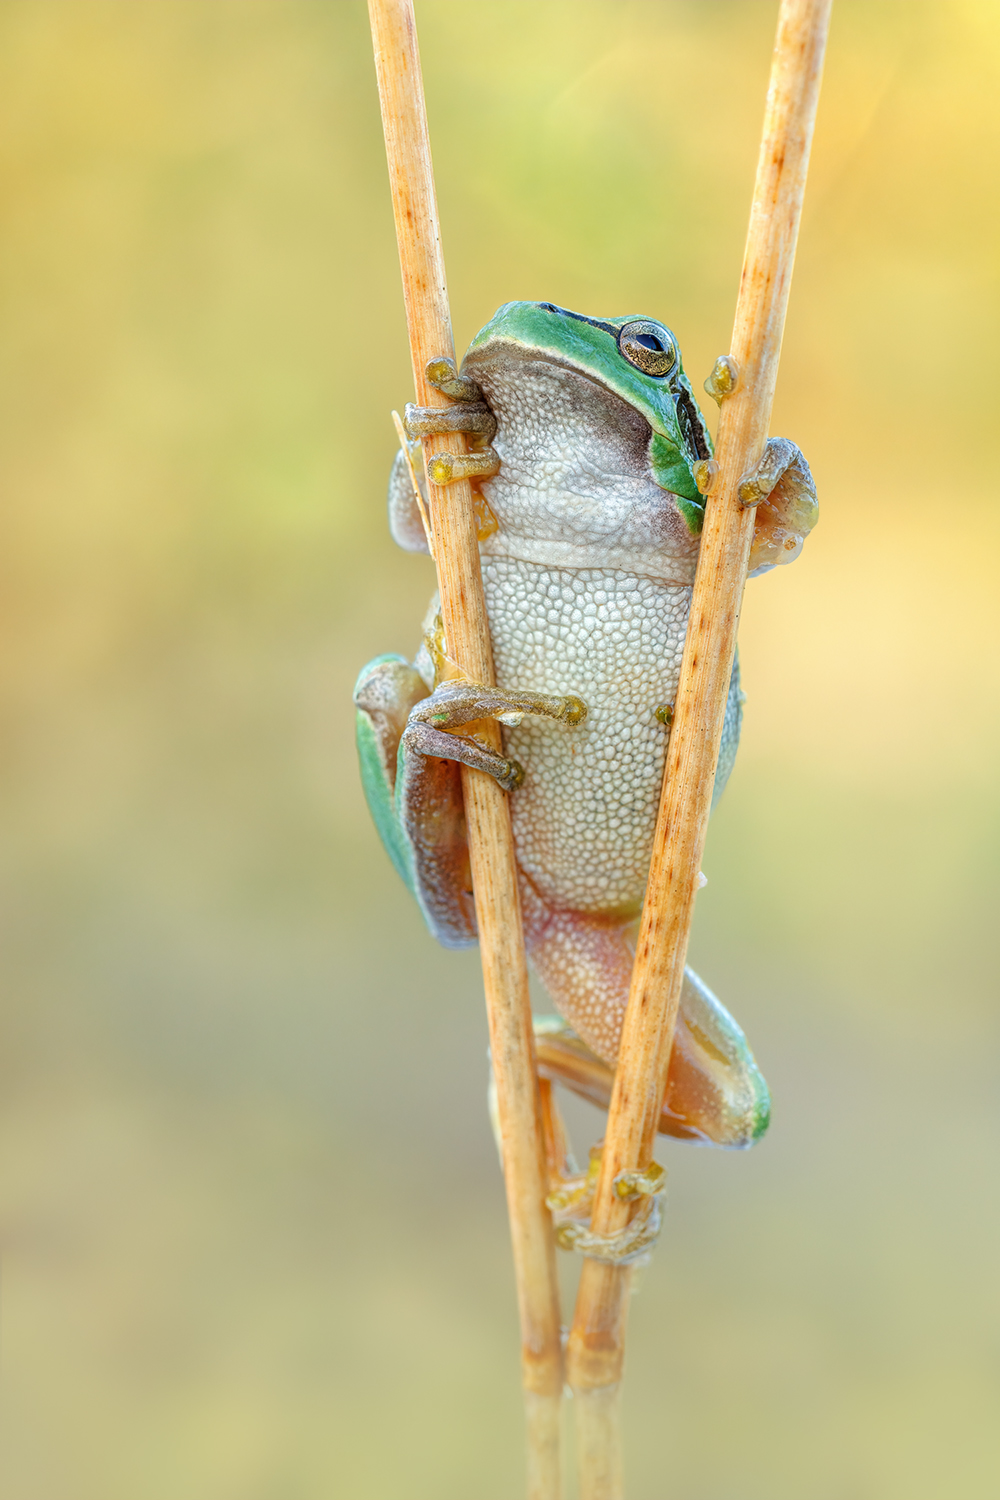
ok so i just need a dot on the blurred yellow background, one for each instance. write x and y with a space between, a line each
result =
253 1227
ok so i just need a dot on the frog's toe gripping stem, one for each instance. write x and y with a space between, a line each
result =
781 488
470 415
445 468
423 739
628 1246
571 1193
443 375
473 417
457 701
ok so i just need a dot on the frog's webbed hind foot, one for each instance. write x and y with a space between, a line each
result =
457 702
570 1198
469 414
781 488
626 1247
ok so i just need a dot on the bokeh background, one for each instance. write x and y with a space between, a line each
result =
253 1227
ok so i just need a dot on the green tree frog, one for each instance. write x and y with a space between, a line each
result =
588 450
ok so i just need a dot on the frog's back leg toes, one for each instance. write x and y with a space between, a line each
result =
421 739
458 701
781 488
715 1093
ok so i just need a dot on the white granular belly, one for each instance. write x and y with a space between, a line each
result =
584 817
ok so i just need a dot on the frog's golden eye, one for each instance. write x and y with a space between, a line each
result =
648 346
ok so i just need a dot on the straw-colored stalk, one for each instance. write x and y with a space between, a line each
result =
467 637
596 1345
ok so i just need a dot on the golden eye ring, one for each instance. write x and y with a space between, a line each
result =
649 346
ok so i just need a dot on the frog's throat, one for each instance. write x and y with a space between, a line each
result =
669 410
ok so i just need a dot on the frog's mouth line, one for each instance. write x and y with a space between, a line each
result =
688 416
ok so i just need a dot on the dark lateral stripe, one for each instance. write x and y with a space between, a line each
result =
690 420
594 322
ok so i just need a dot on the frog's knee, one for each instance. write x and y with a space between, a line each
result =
386 691
715 1087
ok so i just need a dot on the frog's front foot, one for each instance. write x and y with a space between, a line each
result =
782 490
457 701
470 415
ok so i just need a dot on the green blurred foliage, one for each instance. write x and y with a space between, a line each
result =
254 1240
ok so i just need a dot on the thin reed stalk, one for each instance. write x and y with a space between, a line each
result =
491 848
596 1344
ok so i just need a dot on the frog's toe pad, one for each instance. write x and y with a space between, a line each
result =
445 468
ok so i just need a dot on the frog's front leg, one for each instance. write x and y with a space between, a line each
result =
781 488
457 702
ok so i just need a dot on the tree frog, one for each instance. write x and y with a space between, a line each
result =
588 453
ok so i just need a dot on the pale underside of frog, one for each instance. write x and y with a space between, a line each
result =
587 450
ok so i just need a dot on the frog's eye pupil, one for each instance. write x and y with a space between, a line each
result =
649 346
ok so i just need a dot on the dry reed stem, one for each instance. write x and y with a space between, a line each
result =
491 848
596 1346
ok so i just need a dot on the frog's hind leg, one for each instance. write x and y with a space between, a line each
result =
715 1094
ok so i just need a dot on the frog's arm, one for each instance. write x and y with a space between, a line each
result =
782 489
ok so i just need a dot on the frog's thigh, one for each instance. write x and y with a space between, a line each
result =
585 963
715 1092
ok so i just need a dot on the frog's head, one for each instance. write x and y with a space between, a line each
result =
598 433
